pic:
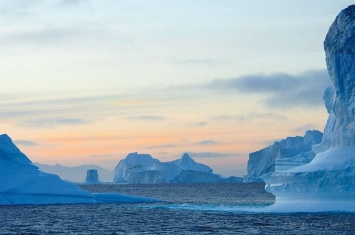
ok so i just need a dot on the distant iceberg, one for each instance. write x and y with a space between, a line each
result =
23 183
327 183
144 169
92 177
75 174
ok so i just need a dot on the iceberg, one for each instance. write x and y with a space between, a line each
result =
75 174
284 154
147 177
189 176
23 183
144 169
134 162
92 177
327 183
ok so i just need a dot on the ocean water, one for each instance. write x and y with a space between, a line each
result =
186 209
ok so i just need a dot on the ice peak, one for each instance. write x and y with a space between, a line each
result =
9 151
186 157
4 138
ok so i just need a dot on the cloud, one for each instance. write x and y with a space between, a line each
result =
207 142
161 146
102 156
147 118
18 7
27 143
197 62
282 90
54 36
251 117
31 8
200 124
71 3
305 128
50 123
208 154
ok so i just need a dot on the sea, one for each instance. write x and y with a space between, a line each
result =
184 209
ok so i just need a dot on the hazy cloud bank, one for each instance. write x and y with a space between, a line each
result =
208 154
27 143
50 123
251 117
282 90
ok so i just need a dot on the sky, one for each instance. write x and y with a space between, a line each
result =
89 81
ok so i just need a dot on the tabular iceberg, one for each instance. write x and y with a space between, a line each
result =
21 182
327 183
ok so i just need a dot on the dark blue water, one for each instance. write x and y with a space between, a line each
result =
189 209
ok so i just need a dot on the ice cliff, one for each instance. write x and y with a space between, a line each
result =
287 153
23 183
327 183
144 169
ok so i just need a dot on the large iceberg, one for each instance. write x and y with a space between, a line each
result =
23 183
144 169
134 162
284 154
327 183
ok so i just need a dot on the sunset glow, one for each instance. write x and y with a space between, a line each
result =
88 82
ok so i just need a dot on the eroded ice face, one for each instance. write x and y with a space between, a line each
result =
339 46
327 183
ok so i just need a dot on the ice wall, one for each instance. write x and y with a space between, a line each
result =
327 183
292 151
